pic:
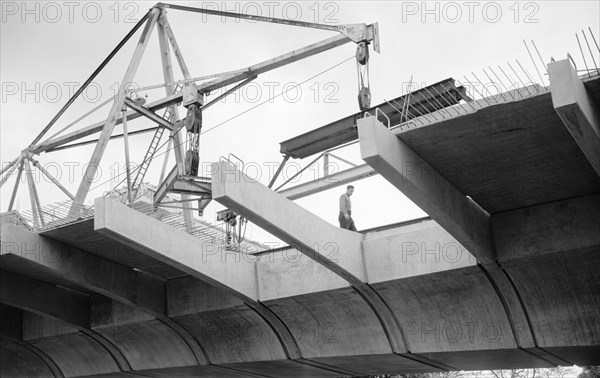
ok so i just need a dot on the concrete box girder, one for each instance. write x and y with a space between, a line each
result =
116 281
49 300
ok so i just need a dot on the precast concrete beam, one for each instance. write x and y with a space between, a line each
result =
230 271
141 293
467 222
36 326
208 262
132 287
576 108
45 299
336 248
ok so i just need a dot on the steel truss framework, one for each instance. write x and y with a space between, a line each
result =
125 109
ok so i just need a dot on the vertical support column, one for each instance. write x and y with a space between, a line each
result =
33 197
111 121
126 142
14 193
165 57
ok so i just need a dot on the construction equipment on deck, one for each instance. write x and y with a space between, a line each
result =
185 177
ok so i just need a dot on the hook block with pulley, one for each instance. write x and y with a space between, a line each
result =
192 161
364 98
193 119
362 53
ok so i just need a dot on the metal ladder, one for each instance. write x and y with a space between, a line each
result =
139 177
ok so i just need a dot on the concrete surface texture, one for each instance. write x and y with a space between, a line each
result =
503 274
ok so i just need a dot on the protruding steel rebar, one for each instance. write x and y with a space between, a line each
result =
538 52
590 50
533 61
582 54
501 82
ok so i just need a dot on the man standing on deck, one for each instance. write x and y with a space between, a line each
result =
345 216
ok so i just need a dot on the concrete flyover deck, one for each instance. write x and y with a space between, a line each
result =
124 294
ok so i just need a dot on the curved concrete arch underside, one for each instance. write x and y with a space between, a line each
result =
124 294
539 310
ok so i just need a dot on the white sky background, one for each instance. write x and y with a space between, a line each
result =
47 46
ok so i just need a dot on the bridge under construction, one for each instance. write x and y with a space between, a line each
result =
501 274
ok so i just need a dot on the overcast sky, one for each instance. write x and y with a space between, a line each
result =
48 49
